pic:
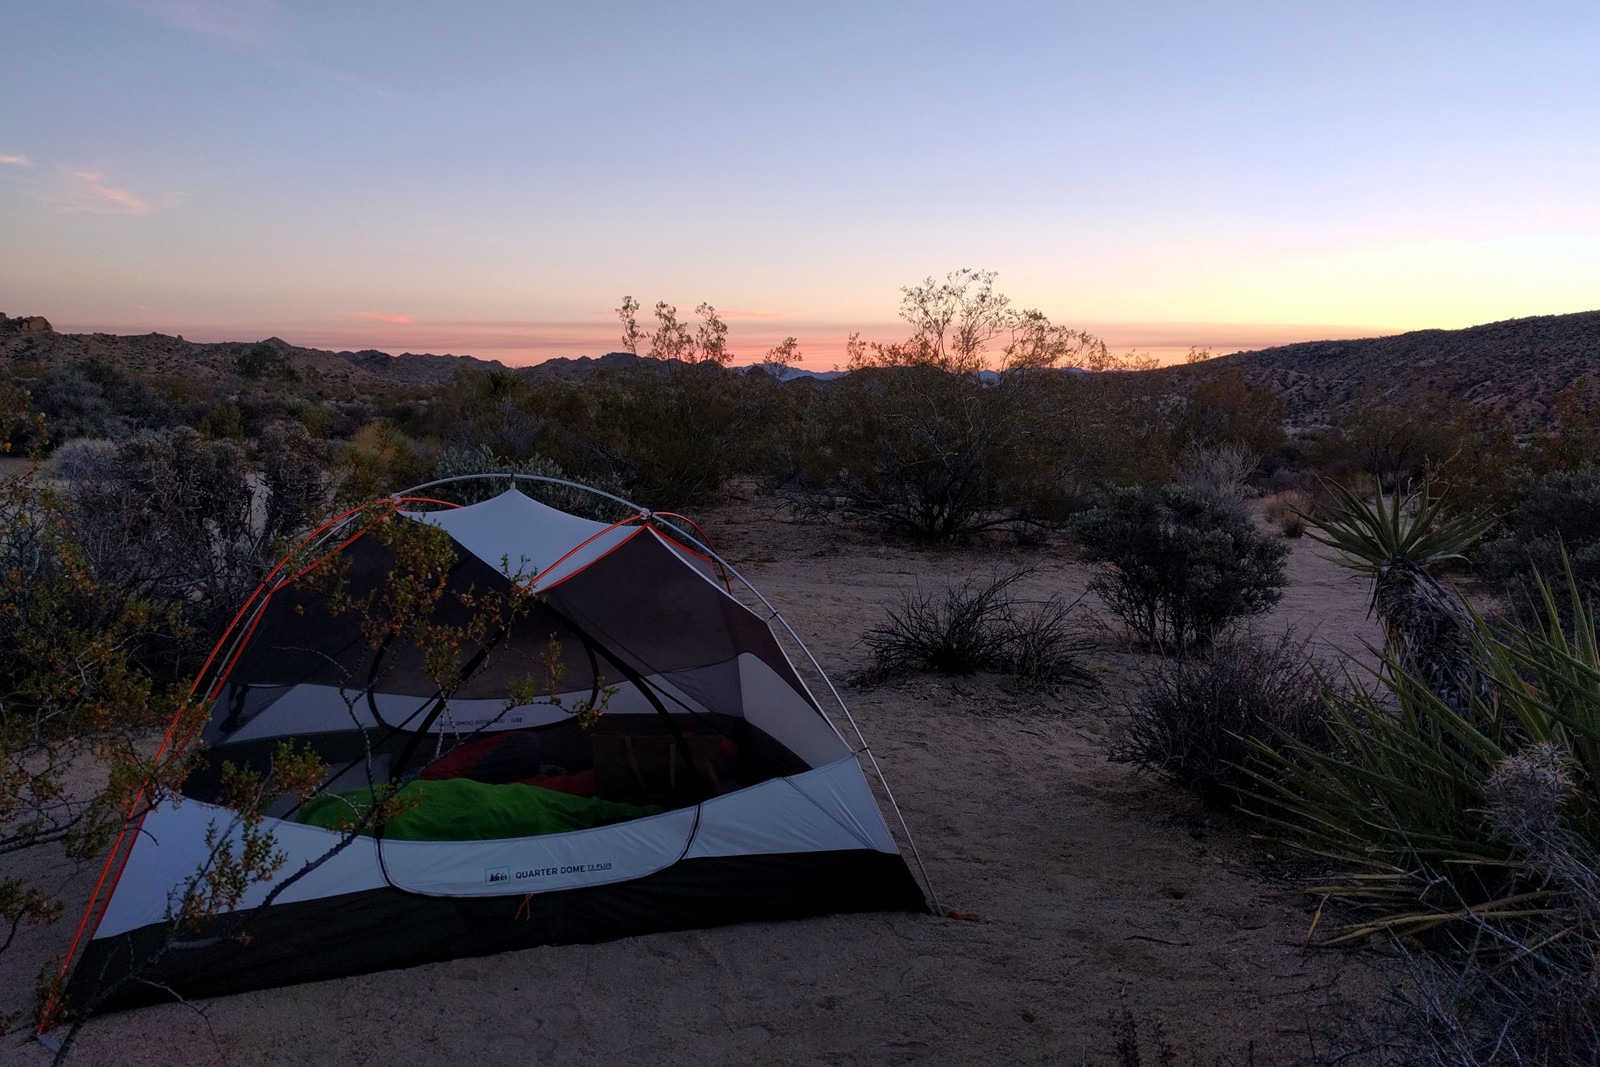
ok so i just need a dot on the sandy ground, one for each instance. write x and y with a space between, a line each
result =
1099 892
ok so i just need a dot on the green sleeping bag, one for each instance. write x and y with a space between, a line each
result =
459 809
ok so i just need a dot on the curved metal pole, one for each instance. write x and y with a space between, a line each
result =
855 727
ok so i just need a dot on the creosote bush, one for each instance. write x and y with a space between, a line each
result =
1197 717
1184 563
974 627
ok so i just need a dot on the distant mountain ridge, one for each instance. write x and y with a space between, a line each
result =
1514 367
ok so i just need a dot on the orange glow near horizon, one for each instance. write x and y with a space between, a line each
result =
822 344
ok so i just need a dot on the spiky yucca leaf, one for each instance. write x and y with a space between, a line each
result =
1398 539
1412 527
1399 799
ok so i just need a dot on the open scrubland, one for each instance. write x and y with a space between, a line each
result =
1246 711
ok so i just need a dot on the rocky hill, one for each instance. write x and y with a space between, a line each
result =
1514 367
31 340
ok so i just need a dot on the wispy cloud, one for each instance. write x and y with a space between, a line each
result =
16 161
257 27
239 21
88 190
398 320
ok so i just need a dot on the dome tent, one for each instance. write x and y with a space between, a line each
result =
630 750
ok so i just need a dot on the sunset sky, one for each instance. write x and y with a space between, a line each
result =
491 178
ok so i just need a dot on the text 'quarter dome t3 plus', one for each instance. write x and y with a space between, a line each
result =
537 728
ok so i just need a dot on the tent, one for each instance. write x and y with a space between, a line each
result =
629 750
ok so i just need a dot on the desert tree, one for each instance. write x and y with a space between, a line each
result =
712 336
1038 344
671 339
631 334
920 441
783 355
955 319
952 321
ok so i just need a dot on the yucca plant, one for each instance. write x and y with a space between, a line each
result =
1399 541
1400 800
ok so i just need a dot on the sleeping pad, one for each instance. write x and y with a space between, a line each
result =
460 809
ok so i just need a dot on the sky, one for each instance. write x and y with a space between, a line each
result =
492 178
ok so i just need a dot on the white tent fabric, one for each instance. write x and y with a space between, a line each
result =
517 535
825 809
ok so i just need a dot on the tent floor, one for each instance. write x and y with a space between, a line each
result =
358 933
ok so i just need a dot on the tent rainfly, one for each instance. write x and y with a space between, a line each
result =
711 789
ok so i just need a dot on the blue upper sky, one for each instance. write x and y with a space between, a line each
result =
493 177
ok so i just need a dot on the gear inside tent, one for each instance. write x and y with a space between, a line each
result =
583 736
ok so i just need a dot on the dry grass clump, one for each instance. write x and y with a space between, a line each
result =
974 627
1198 717
1288 511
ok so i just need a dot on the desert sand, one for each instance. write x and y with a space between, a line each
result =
1099 893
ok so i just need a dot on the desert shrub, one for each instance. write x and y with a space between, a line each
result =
1224 470
377 460
75 698
1560 512
975 626
1400 440
454 461
294 473
909 448
496 413
675 439
166 517
938 456
1198 717
1288 510
1573 441
262 359
1223 411
92 398
1183 563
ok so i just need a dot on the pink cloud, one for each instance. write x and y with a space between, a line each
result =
94 193
16 161
398 320
88 190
